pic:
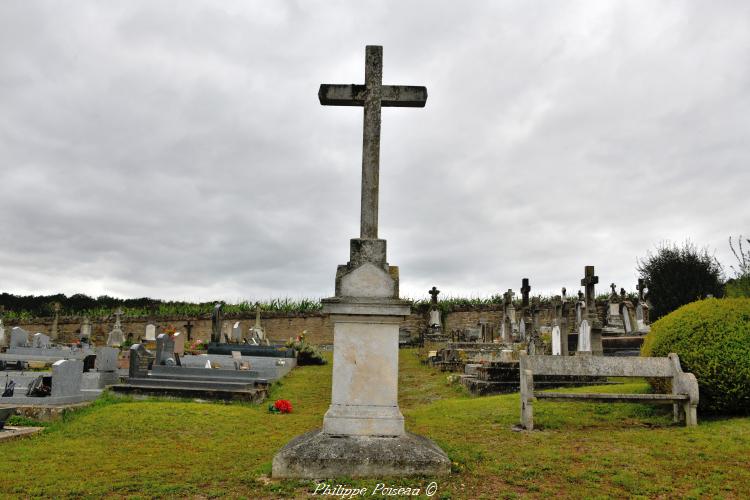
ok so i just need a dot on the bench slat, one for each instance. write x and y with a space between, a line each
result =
598 366
613 398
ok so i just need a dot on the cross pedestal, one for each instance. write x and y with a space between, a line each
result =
363 431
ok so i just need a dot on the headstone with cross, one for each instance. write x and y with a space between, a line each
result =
525 289
435 321
53 331
510 324
525 310
434 292
593 323
366 312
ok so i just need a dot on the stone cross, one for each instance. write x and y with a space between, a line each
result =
614 289
589 281
189 328
55 320
508 297
216 323
564 294
434 292
372 96
525 289
118 313
641 287
257 315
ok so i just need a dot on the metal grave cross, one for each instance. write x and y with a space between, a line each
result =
372 96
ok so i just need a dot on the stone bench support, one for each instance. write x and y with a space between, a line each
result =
684 396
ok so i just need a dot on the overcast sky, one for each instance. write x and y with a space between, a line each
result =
178 150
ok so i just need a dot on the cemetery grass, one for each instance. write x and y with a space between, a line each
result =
159 448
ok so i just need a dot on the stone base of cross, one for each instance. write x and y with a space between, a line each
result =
363 432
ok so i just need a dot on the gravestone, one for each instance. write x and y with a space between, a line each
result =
509 317
589 281
525 311
615 324
556 341
140 360
86 329
41 341
236 332
363 430
641 309
19 337
435 320
584 337
522 329
179 343
164 350
3 339
106 359
150 332
564 328
216 322
116 337
55 320
66 377
256 332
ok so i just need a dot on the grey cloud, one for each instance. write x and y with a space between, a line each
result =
182 153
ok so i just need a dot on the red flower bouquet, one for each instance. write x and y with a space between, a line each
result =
280 406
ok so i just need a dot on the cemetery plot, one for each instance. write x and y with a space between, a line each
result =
212 376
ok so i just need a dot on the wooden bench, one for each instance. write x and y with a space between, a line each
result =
684 396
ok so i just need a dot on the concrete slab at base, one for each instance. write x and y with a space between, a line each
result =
317 455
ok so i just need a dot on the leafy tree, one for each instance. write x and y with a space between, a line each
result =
739 286
677 275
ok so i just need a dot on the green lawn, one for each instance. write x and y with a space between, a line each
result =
147 449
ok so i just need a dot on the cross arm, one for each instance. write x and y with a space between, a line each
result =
403 96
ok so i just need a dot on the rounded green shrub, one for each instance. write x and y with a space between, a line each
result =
712 339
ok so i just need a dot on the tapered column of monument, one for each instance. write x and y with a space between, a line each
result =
371 143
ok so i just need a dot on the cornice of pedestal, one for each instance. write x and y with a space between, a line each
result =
366 306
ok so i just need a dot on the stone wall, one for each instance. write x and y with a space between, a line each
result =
279 327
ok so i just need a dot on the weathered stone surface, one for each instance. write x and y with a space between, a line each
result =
106 359
371 306
684 394
164 349
317 455
367 281
66 377
179 343
366 351
41 341
18 337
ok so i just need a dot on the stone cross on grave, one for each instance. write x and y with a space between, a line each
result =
589 281
118 313
434 292
372 96
363 433
508 297
525 289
